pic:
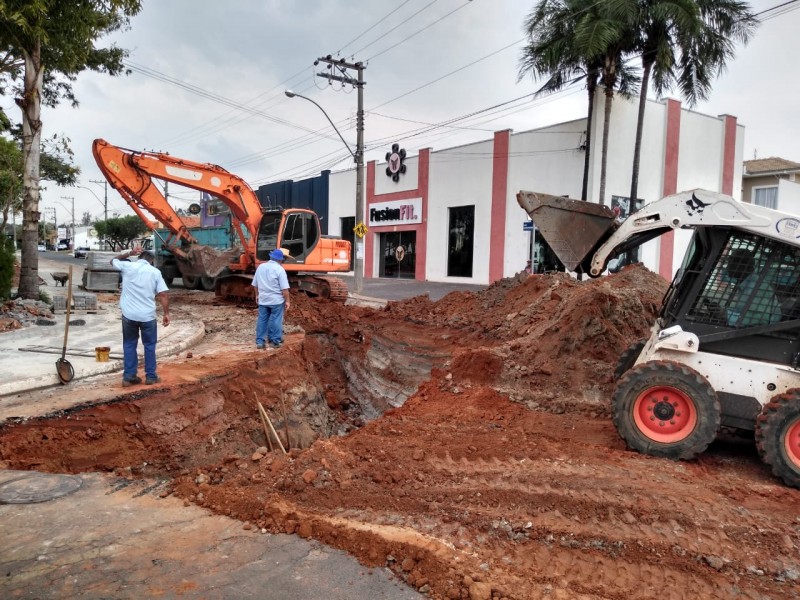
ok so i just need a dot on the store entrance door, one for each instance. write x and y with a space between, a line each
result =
398 254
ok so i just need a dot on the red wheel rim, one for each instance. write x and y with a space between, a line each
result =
791 443
667 415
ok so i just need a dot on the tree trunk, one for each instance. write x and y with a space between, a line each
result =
31 104
606 128
637 147
591 86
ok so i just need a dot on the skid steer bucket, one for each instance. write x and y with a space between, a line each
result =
573 229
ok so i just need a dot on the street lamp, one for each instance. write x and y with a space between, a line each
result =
358 156
103 202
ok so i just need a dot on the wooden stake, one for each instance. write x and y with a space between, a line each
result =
271 428
264 423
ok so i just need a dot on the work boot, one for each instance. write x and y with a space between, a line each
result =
260 346
133 381
152 380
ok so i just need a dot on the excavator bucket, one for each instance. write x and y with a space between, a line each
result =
573 229
204 261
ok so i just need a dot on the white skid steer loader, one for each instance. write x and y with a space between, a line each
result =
725 348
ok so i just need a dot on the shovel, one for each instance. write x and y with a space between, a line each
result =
63 368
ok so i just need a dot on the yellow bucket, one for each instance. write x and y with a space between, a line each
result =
101 353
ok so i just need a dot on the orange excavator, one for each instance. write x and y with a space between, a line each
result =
259 230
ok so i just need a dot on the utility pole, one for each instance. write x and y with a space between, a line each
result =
72 235
342 67
105 196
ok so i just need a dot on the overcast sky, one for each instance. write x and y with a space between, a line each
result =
208 82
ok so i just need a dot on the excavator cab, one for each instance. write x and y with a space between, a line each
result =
296 230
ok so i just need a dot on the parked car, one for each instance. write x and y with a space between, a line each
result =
81 252
42 247
63 245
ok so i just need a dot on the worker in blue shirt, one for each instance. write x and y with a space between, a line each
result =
142 284
272 289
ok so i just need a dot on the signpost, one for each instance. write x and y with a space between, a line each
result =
528 226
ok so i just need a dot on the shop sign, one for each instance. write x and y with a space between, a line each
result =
395 212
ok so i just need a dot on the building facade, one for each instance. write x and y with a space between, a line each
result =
452 214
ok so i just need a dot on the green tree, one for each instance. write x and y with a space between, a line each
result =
86 219
120 231
685 43
56 165
10 179
46 45
7 259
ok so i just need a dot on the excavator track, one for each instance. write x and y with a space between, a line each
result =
238 288
323 286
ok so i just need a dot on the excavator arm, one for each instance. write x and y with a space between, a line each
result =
585 236
131 173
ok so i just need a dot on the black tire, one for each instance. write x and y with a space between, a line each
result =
191 282
666 409
168 281
207 283
628 358
778 436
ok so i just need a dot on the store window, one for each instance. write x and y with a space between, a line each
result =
460 246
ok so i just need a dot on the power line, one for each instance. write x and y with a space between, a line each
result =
363 33
382 36
404 40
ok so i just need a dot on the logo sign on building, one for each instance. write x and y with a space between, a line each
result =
396 212
394 162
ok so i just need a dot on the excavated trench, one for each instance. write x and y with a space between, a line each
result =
501 475
315 390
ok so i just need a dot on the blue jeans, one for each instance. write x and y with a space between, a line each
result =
130 340
270 323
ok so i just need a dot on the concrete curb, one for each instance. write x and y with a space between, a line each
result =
367 301
51 379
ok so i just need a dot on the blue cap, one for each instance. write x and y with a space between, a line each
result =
276 255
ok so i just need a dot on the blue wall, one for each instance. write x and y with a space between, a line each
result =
309 193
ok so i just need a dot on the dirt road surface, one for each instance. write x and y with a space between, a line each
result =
466 444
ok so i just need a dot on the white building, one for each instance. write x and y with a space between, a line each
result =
452 214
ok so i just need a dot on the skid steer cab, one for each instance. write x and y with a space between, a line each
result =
725 348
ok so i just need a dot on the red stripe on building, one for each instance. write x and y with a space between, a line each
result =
671 153
729 155
499 198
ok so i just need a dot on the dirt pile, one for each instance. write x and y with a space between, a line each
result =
546 339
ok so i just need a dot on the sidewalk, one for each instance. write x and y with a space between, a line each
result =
28 356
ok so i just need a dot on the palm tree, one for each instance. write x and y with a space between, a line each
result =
551 52
605 30
685 43
582 39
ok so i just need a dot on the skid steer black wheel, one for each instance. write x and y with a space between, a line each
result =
666 409
778 436
207 283
628 358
